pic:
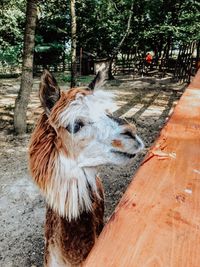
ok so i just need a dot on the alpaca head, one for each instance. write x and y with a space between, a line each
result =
75 134
89 135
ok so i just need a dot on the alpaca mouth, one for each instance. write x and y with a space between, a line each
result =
124 154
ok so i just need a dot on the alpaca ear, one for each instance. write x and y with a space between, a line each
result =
99 80
49 92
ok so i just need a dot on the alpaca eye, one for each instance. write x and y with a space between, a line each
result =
76 127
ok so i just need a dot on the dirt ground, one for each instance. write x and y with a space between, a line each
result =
146 101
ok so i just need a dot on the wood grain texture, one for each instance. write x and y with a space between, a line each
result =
157 222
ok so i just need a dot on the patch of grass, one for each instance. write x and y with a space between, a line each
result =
81 80
65 77
85 79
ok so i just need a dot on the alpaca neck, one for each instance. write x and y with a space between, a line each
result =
70 188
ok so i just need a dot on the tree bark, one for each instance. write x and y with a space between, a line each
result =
198 56
73 45
22 99
116 50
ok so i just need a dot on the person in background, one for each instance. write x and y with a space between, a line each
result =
148 59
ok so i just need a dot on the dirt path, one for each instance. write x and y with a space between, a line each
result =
147 102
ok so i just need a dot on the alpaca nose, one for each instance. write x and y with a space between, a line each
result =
129 131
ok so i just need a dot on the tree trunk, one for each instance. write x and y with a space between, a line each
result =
81 57
168 47
110 75
73 46
116 50
198 56
22 99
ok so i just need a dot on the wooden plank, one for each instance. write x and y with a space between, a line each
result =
157 222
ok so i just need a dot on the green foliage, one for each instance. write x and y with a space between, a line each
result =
12 22
10 56
52 32
85 79
66 78
101 25
11 32
101 31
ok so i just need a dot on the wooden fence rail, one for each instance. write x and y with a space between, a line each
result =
157 222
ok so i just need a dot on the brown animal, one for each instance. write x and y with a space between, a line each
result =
74 135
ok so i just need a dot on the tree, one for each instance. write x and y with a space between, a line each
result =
112 20
12 21
52 33
101 30
22 99
73 44
155 25
118 47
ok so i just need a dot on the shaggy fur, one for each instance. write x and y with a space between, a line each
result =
75 135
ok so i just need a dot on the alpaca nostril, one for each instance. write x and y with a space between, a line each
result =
129 133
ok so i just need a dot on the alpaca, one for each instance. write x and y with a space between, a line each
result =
75 134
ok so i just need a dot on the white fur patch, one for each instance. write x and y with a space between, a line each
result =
90 107
69 192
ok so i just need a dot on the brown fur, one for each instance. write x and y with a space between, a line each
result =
46 142
74 240
70 241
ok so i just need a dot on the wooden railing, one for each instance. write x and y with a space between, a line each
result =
157 222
